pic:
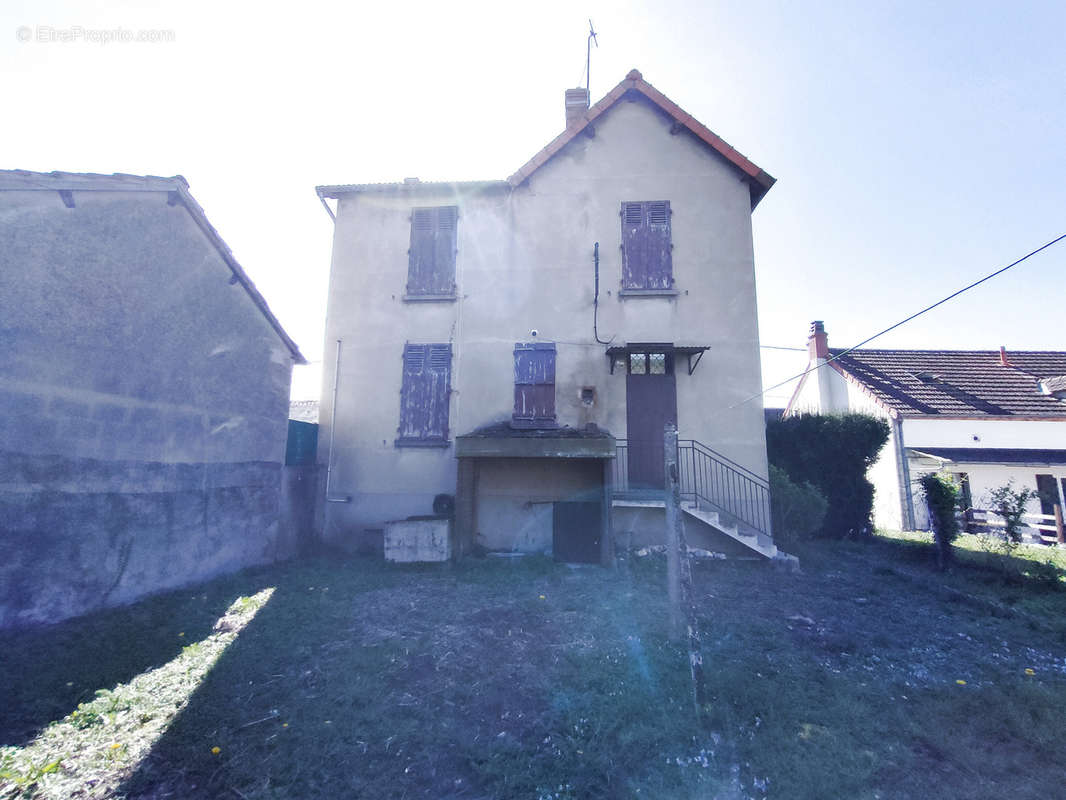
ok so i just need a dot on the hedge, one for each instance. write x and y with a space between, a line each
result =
832 452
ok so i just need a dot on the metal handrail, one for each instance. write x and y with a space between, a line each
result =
710 479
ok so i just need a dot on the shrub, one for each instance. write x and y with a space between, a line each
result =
832 452
1010 504
798 509
941 497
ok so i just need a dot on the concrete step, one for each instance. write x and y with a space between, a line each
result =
759 544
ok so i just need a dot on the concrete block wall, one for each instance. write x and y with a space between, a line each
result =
143 406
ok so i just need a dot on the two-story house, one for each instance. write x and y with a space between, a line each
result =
989 417
521 343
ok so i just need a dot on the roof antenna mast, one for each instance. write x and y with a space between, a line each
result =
588 53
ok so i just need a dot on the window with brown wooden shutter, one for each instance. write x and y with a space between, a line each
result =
534 385
431 257
424 396
647 262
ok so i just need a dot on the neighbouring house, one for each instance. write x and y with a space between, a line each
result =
144 392
521 343
987 416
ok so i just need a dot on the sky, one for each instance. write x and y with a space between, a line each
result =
917 146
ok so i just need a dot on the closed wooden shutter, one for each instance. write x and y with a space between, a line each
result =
425 394
647 261
534 384
431 257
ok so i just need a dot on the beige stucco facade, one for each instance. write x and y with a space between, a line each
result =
525 262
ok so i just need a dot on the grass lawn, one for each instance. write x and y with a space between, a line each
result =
865 676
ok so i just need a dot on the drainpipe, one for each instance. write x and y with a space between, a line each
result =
903 470
596 295
333 432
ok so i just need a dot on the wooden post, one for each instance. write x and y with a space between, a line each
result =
1060 535
673 528
679 572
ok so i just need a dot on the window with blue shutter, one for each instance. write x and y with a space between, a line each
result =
534 385
647 262
424 396
431 257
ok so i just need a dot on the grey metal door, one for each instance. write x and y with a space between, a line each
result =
651 402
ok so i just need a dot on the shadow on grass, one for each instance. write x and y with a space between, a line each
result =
47 671
361 679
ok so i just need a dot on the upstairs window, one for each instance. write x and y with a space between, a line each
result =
427 374
534 385
647 262
431 258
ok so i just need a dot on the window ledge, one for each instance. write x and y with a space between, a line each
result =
648 293
430 298
431 443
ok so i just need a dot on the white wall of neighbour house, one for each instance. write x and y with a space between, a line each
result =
989 433
525 262
823 390
890 511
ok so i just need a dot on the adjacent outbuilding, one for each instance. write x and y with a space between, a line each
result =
144 393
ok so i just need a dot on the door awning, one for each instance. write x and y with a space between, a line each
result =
659 347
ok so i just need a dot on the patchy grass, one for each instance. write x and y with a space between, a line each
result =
857 678
986 550
1030 579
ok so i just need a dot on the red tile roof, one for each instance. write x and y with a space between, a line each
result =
957 383
758 179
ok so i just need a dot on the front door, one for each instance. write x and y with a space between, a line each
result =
651 402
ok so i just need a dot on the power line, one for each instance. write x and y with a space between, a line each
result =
776 347
951 296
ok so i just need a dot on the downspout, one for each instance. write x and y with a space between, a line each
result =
333 432
903 471
596 295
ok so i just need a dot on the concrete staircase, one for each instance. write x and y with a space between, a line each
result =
756 542
704 521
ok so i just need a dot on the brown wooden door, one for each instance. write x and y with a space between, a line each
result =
651 402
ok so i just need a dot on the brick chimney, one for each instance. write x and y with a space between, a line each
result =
1003 356
818 341
577 103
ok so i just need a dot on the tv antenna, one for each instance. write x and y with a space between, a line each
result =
588 53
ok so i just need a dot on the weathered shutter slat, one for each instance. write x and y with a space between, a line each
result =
534 375
424 396
647 261
431 261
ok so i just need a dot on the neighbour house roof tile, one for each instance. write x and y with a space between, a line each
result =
957 383
24 180
757 178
